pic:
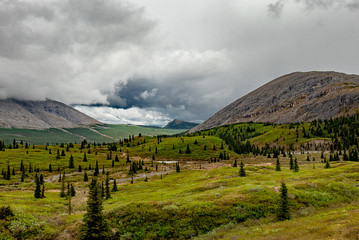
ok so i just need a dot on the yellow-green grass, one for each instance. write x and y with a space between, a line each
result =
210 189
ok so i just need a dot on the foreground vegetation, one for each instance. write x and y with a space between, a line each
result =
190 186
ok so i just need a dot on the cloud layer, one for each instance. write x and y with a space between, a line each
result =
143 61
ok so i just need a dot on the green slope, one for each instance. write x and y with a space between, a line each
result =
98 133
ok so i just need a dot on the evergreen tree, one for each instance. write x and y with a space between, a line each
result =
72 191
21 166
96 171
8 173
95 225
71 162
178 167
114 188
43 190
80 168
235 163
23 176
107 187
113 163
242 172
41 179
188 150
283 211
291 163
85 158
62 191
296 166
37 193
50 168
116 159
277 166
58 154
327 164
85 177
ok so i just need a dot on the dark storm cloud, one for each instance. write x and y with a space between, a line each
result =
67 49
182 100
154 64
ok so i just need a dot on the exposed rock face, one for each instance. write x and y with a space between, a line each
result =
179 124
296 97
41 115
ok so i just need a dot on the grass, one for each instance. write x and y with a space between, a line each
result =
206 199
98 133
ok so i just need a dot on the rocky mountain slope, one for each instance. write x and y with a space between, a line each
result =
179 124
41 115
296 97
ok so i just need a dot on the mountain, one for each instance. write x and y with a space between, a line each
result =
179 124
296 97
41 115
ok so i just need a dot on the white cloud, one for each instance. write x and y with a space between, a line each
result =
146 94
134 115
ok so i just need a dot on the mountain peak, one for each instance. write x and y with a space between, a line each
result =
295 97
180 124
16 113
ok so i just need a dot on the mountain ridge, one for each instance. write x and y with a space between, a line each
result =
46 114
180 124
295 97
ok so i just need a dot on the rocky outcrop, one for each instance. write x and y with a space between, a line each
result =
41 115
296 97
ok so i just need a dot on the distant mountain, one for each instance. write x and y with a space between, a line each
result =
41 115
179 124
296 97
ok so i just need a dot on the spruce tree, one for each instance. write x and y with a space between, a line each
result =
178 167
327 164
72 191
235 163
37 193
85 177
43 191
107 187
188 150
85 158
50 168
95 225
96 171
277 166
71 162
114 188
242 172
291 163
283 211
62 191
23 176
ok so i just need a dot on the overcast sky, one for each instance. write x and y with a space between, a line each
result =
149 61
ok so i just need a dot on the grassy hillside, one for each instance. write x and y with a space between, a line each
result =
205 197
98 133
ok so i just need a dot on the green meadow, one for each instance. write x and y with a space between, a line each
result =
205 198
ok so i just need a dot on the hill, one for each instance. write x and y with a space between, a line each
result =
95 133
41 115
296 97
179 124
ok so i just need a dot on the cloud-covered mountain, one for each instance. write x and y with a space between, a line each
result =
296 97
41 115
